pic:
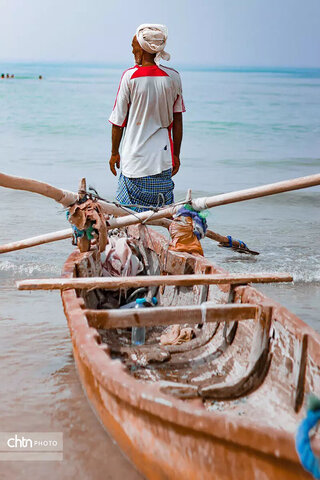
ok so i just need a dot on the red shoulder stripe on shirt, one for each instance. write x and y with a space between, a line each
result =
115 102
149 71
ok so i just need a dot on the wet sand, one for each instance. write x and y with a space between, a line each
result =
41 392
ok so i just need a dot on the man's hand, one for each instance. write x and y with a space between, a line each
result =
114 162
176 165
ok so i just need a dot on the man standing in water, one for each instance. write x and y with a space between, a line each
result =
149 106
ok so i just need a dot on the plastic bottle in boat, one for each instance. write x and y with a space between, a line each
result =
138 334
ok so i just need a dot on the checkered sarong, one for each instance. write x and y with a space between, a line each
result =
146 190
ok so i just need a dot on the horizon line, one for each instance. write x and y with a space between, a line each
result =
181 64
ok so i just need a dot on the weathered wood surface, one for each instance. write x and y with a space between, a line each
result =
257 366
251 378
67 233
193 314
64 197
298 395
38 240
116 283
258 192
256 433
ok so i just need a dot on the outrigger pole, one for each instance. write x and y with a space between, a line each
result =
66 198
223 199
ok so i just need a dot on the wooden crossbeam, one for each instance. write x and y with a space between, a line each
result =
143 317
116 283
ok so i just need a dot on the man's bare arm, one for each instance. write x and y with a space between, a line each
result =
115 156
177 132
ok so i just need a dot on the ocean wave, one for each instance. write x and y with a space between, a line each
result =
306 277
22 269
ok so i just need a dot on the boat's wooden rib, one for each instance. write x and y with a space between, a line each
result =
229 332
179 390
298 393
147 317
258 365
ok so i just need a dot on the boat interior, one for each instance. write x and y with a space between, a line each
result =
244 353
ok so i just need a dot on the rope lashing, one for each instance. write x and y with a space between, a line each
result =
160 202
241 248
230 245
303 446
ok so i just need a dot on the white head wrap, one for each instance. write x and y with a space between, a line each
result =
152 38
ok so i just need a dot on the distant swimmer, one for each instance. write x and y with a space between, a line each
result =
8 76
12 76
2 75
40 77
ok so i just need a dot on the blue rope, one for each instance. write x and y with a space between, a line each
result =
230 241
303 446
241 243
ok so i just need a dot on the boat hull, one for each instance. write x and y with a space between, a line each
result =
165 437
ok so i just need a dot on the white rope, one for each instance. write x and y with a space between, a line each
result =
68 198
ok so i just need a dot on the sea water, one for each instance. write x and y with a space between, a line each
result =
243 127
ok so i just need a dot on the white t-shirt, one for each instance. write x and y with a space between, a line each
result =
146 100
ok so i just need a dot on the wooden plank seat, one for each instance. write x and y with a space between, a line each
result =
117 283
191 314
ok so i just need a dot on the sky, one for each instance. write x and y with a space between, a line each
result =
201 32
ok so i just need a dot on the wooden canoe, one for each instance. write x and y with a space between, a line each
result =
223 406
